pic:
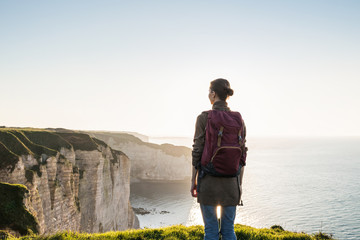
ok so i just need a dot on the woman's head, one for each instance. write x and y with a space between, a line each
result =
221 88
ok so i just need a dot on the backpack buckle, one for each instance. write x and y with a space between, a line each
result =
240 138
220 134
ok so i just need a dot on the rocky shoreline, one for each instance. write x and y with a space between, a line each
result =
143 211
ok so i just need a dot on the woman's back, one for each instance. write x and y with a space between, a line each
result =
222 191
210 190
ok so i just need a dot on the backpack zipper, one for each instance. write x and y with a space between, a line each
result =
222 148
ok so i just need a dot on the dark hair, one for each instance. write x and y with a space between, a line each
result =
222 88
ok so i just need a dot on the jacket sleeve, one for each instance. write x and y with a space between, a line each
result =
199 139
245 149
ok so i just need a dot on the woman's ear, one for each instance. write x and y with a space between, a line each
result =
212 95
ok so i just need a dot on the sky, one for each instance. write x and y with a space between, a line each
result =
145 66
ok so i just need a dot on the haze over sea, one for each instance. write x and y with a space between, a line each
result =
302 184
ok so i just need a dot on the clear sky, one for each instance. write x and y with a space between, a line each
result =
145 66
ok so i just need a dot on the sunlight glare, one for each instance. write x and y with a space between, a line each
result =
218 211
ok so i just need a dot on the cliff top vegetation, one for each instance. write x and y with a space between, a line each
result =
79 141
7 158
184 233
13 212
16 142
23 141
35 148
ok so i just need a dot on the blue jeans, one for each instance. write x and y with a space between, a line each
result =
211 222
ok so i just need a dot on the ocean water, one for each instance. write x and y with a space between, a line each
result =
303 184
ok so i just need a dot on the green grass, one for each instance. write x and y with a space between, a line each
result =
40 137
35 148
183 233
7 158
13 143
79 141
13 212
28 141
41 144
10 149
47 138
45 141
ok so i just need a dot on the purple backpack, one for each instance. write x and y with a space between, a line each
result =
224 151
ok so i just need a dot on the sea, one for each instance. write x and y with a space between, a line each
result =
303 184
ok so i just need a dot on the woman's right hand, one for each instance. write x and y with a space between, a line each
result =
193 182
193 188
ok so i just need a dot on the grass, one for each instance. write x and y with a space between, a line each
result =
79 141
37 149
47 138
36 142
7 158
13 212
13 143
178 232
45 141
40 143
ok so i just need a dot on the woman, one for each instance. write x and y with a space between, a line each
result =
214 191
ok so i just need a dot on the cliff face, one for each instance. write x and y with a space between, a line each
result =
75 182
150 161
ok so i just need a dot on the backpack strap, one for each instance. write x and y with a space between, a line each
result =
220 134
242 131
243 140
240 138
243 127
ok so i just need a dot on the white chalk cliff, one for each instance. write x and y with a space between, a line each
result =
75 182
150 161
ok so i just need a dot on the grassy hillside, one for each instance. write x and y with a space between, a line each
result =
47 138
7 158
35 148
185 233
13 212
13 143
79 141
16 142
32 141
